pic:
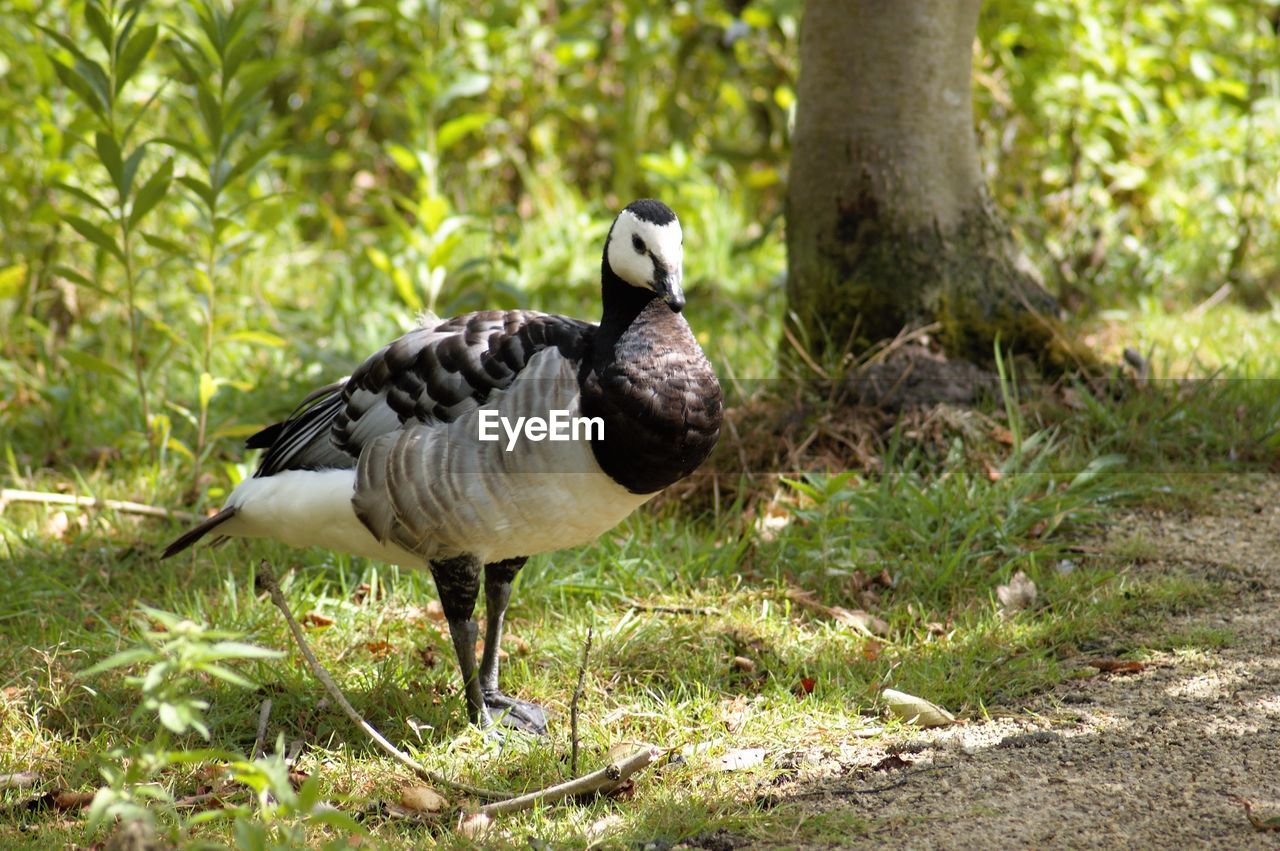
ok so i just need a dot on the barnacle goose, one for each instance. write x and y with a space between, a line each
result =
388 463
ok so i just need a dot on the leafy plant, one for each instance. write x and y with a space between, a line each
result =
229 85
125 202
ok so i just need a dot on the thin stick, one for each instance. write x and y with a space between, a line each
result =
264 715
19 780
268 580
10 495
605 780
573 704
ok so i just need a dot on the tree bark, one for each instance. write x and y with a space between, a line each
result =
889 223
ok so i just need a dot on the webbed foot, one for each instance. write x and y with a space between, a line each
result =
516 714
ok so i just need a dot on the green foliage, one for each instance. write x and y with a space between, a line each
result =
177 655
1136 144
208 208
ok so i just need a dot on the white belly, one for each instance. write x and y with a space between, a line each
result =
308 508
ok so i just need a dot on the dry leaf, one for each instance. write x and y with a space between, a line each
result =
317 620
737 760
772 520
65 799
601 828
892 762
435 611
857 619
1117 666
422 799
517 644
57 525
379 649
916 710
502 654
475 826
804 687
1019 594
733 713
871 649
742 663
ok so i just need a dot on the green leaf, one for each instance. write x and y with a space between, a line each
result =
198 186
77 278
338 820
82 195
466 84
109 156
96 78
242 650
130 17
99 25
185 145
11 279
94 234
252 157
167 245
210 112
1095 468
263 338
81 87
64 42
173 718
207 388
210 19
92 363
134 53
132 656
238 51
452 131
227 675
131 164
151 193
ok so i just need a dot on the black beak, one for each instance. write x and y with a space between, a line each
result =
668 288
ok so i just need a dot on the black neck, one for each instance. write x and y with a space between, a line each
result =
622 303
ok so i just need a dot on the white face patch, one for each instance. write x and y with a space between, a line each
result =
637 247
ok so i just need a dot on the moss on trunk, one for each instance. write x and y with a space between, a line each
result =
888 221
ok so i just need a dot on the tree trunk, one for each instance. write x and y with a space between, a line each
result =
888 220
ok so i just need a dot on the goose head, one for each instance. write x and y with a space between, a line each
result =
645 249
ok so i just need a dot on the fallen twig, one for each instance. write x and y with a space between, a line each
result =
264 715
19 780
671 610
573 704
606 779
268 579
8 495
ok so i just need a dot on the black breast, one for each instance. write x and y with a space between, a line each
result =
659 399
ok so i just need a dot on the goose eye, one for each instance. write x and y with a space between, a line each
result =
638 244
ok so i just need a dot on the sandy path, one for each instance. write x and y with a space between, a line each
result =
1140 761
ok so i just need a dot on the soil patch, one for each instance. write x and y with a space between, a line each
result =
1142 759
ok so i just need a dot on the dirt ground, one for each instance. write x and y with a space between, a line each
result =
1145 760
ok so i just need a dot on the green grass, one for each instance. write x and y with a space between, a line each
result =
672 597
946 535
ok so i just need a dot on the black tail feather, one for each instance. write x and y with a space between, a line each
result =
192 535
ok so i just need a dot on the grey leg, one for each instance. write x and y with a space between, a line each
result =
458 583
509 711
